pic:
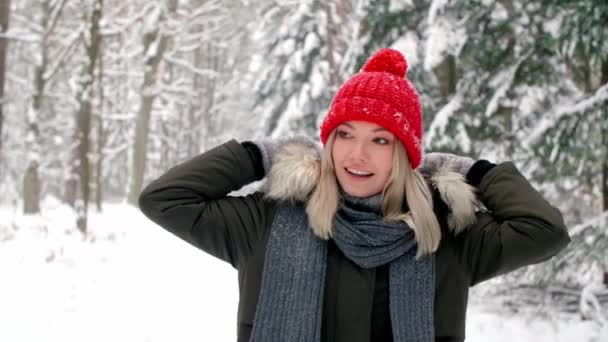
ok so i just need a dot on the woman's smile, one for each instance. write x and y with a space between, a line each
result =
358 173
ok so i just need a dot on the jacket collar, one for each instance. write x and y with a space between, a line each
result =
297 165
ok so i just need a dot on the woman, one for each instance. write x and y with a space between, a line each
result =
364 240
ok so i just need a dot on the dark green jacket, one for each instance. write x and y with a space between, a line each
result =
517 228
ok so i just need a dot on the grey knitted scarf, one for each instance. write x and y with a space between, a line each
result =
293 281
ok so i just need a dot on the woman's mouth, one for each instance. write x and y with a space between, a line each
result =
358 173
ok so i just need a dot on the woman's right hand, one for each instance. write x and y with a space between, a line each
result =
269 148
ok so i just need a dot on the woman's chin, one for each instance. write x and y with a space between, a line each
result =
357 191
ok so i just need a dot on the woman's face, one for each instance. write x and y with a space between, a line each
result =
363 157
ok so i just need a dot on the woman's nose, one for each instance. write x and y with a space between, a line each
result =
358 152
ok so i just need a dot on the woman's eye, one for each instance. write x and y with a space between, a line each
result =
381 141
343 134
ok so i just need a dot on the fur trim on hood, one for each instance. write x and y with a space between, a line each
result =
296 170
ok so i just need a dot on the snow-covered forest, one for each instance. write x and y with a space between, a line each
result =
98 97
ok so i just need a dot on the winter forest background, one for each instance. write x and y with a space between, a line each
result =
98 97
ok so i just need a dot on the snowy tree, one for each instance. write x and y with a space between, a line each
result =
296 72
48 14
510 80
496 59
198 69
197 82
573 134
81 170
201 92
117 95
231 115
380 23
155 42
429 38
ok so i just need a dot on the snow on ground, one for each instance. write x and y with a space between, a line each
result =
487 324
132 281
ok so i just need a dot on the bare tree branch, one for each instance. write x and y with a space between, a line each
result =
63 56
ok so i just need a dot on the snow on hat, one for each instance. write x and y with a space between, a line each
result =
380 94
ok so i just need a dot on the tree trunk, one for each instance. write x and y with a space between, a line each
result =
332 36
5 8
168 128
31 189
31 180
604 128
83 119
101 138
212 120
155 44
194 113
605 162
343 10
446 75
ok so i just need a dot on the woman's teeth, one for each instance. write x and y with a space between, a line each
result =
358 172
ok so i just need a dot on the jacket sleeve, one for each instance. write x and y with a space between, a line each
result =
520 227
190 200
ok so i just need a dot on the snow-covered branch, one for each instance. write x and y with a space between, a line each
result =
27 23
592 222
436 7
441 119
549 120
129 22
54 16
504 83
209 8
63 55
184 64
13 34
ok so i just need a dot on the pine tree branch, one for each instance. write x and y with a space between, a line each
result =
550 120
596 220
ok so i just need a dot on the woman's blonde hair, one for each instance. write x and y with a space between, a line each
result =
404 184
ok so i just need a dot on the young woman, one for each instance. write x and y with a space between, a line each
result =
363 240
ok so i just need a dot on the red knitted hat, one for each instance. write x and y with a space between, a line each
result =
379 93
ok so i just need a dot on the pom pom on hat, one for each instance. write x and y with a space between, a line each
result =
380 94
387 60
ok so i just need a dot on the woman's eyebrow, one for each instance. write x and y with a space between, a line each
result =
379 129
